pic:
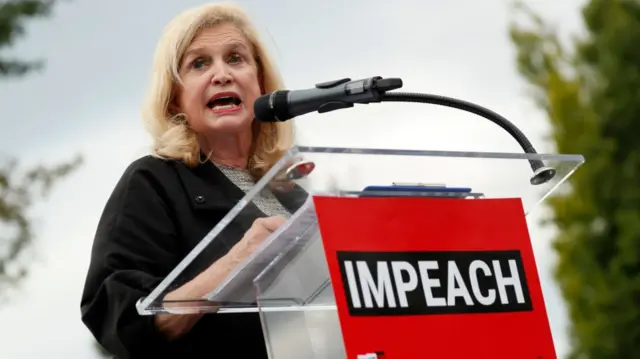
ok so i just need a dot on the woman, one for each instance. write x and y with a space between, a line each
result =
209 68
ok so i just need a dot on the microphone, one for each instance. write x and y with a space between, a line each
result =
284 105
328 96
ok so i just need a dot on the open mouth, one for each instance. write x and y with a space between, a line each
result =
224 102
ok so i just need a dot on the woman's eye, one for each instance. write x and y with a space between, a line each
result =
199 63
235 58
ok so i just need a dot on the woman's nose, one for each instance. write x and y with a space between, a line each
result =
221 77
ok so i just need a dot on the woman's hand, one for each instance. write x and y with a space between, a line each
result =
175 326
253 238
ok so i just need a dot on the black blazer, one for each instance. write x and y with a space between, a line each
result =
158 211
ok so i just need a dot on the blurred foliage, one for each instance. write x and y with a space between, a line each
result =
590 91
20 188
13 14
19 192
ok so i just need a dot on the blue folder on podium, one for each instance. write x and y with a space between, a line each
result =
419 190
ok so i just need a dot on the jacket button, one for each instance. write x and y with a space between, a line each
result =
200 199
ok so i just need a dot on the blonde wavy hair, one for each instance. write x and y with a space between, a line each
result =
172 136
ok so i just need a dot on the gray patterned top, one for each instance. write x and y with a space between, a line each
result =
265 200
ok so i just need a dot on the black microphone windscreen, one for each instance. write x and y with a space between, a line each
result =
262 110
273 107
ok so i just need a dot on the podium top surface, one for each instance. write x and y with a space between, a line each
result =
353 172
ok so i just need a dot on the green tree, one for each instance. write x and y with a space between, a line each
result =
21 188
13 14
18 192
589 88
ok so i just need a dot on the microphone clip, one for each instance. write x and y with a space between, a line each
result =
362 91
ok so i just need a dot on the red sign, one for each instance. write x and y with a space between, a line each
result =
434 278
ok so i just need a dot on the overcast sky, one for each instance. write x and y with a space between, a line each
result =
98 59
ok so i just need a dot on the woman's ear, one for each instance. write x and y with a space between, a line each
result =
174 107
261 82
260 76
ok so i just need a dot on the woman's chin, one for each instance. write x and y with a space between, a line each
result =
228 122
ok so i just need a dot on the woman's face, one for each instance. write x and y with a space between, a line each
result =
220 81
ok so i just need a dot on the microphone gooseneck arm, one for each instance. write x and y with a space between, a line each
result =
344 93
541 173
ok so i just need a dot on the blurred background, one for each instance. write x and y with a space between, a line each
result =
73 74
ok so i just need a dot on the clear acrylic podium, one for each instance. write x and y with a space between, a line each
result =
286 281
